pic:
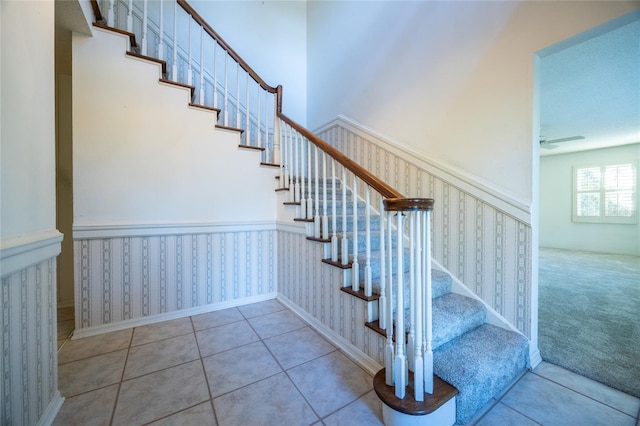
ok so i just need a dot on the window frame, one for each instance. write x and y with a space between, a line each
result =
602 195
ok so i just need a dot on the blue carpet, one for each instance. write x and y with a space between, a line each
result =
589 315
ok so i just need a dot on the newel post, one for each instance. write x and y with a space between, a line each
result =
417 212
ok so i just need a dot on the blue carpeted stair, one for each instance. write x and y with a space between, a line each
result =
477 358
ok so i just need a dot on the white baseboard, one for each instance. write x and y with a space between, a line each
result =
137 322
52 410
363 360
535 358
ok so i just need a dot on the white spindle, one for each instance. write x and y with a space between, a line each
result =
345 240
400 362
389 353
309 181
237 95
130 17
325 217
411 340
382 304
355 267
418 360
201 65
258 124
284 167
274 158
334 219
174 66
303 198
316 217
297 196
226 90
277 136
215 76
428 309
161 33
367 234
189 69
111 13
145 24
290 163
247 124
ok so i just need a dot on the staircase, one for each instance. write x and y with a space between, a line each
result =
351 213
478 359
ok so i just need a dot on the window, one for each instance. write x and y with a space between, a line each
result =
605 194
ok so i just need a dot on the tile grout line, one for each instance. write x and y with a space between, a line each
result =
587 396
287 374
519 412
124 367
204 371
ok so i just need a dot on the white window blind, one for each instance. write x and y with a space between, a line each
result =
605 193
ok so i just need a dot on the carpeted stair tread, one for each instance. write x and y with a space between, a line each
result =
374 223
440 283
374 239
374 261
454 315
480 364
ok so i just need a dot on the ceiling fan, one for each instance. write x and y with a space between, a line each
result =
550 144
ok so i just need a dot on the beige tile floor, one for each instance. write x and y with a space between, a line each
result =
261 365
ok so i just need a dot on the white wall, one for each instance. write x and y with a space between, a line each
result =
142 156
452 80
171 218
556 182
28 132
271 37
29 242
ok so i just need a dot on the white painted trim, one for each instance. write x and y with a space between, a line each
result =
535 358
509 204
137 322
293 227
367 363
116 230
20 252
445 415
52 410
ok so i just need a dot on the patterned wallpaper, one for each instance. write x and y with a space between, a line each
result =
126 277
485 247
315 287
29 375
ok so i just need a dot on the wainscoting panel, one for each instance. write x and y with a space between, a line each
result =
481 237
121 278
29 375
315 288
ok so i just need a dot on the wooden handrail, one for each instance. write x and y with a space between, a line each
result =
187 8
96 11
355 168
375 183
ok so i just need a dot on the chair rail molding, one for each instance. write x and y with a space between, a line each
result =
19 252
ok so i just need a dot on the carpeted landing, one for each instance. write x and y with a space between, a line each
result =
589 315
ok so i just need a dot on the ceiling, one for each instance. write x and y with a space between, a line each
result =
592 89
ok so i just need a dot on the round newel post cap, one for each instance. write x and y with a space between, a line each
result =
408 204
